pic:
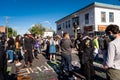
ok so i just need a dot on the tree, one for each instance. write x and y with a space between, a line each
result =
14 33
37 29
11 32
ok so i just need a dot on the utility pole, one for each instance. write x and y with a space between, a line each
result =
7 26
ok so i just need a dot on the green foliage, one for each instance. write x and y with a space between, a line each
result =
14 33
37 29
11 32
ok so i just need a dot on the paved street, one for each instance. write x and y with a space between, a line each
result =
42 69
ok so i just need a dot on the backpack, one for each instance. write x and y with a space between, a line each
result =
36 44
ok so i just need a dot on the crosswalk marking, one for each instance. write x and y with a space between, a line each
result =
23 74
22 71
38 68
50 67
28 70
46 68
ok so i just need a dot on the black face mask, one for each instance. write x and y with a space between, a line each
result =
111 36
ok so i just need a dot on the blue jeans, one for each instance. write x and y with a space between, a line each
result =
104 56
66 61
10 53
96 52
95 56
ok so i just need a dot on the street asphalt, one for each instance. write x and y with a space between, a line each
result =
42 69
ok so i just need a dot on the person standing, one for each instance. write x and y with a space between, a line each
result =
86 50
10 49
78 41
57 43
79 46
48 47
3 59
96 47
106 42
113 53
66 50
19 56
52 50
38 40
28 49
101 43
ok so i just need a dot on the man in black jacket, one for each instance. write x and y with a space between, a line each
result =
86 50
28 49
3 59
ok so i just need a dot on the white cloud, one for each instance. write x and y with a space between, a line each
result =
47 22
32 25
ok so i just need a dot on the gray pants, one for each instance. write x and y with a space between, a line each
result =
113 74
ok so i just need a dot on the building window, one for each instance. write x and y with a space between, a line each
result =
59 27
111 17
66 24
75 20
87 18
103 16
69 23
63 25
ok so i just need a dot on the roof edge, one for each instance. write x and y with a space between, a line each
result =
92 4
76 11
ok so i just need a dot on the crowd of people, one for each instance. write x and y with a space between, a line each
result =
26 48
88 46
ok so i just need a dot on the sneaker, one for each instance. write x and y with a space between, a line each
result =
10 61
18 64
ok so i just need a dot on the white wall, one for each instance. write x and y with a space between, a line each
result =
48 34
81 22
94 19
82 18
64 29
98 11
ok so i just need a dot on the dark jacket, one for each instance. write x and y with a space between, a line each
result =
11 44
87 49
101 43
106 42
66 46
77 43
28 44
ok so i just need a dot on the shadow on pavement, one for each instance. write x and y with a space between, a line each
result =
11 76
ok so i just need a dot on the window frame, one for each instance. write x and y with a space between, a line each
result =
103 16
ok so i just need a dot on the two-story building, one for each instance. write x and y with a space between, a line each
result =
94 17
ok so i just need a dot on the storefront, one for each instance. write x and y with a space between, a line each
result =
102 27
88 29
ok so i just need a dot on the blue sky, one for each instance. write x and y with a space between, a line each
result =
24 13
